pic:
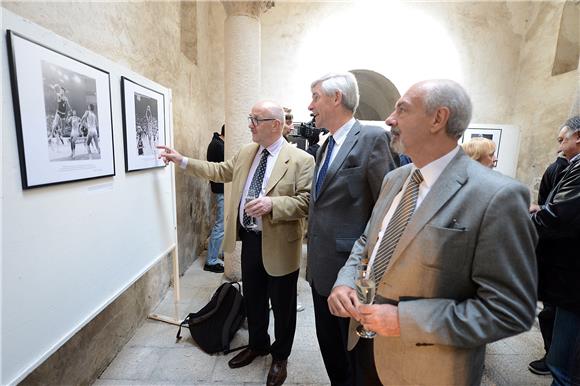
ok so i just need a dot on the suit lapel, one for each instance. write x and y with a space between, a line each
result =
449 182
244 164
280 167
349 142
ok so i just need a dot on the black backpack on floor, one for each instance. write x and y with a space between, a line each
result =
214 326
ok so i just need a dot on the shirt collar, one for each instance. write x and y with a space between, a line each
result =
340 135
433 169
575 158
274 148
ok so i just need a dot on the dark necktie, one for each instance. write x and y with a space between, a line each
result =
397 225
324 167
256 184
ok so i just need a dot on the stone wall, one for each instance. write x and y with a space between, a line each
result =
502 52
543 101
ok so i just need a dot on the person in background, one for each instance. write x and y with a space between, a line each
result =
482 150
545 247
288 119
558 220
215 153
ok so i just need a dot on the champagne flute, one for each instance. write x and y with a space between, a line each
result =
251 196
365 291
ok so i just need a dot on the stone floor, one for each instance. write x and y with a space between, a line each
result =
153 357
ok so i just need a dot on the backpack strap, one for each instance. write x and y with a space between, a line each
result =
184 323
231 316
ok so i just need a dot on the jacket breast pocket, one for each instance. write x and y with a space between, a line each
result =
353 178
443 248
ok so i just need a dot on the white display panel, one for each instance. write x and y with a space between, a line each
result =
69 250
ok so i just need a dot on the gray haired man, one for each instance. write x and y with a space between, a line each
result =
350 167
452 249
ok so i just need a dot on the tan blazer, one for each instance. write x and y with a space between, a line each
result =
289 189
463 274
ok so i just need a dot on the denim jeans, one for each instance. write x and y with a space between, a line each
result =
564 355
217 232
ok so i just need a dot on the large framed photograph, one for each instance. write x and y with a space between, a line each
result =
62 108
143 125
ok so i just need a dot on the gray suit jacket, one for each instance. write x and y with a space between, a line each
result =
339 212
464 274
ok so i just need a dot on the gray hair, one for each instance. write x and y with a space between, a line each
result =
345 83
573 125
450 94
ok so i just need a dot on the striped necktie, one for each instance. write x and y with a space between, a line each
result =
397 225
257 180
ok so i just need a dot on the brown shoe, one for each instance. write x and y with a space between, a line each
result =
277 374
245 357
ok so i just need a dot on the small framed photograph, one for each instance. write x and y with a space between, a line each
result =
143 125
493 134
62 108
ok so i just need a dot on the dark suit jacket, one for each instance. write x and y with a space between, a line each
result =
339 212
463 272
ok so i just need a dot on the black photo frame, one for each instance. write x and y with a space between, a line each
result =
62 109
144 128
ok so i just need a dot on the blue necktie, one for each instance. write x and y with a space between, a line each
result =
324 167
257 180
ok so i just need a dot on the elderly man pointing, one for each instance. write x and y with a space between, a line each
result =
269 226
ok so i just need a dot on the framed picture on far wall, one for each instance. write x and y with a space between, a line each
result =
143 125
493 134
62 108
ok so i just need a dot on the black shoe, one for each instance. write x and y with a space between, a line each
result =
245 357
217 268
539 367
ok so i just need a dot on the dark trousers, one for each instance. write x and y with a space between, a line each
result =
332 334
258 287
344 368
564 356
366 372
546 319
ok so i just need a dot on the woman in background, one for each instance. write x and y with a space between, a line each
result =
482 150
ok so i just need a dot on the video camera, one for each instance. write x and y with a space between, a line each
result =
308 130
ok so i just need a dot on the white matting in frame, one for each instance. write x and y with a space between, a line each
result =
143 125
491 134
62 108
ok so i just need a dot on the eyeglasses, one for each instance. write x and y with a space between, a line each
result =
256 121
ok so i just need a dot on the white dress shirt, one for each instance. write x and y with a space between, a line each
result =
274 150
430 173
339 137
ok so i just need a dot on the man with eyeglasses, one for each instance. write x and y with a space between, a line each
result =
270 228
558 223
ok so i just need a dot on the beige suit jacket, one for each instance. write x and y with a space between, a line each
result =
289 189
463 274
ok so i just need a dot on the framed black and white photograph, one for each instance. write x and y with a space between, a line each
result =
143 125
492 134
63 117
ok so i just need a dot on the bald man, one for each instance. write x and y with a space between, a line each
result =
281 175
